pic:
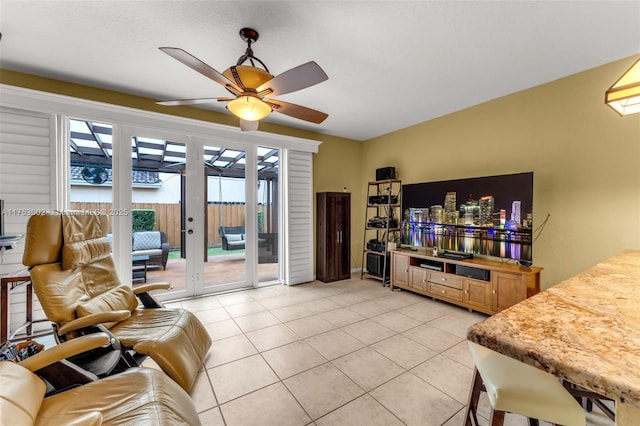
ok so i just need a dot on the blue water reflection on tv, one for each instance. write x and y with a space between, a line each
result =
467 239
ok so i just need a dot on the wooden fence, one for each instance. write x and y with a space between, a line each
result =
168 217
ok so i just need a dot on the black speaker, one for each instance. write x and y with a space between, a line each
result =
376 266
476 273
386 173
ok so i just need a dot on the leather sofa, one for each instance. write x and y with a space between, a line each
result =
74 277
135 396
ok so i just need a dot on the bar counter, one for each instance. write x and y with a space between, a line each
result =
585 329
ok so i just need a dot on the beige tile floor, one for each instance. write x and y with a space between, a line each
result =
345 353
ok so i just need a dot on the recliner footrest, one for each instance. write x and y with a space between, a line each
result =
175 339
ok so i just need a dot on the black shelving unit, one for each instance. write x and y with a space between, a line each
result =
381 225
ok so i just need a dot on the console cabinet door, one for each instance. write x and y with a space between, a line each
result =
507 290
400 269
419 278
477 294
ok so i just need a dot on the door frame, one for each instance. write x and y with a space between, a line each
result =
294 149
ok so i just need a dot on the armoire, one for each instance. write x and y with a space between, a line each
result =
333 236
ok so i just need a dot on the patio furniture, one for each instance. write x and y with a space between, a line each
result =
153 244
232 237
139 265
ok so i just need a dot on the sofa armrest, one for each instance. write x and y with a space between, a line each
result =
225 243
66 350
148 301
93 319
145 288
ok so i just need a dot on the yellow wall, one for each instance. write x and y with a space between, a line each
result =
585 159
338 164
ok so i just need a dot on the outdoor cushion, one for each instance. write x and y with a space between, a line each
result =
234 237
145 240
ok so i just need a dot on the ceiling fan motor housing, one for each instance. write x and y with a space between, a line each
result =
251 77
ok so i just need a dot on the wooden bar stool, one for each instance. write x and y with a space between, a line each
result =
515 387
588 399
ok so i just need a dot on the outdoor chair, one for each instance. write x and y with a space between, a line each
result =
75 279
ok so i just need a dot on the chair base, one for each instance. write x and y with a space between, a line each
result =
588 399
471 413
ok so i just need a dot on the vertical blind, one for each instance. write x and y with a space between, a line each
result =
25 175
299 255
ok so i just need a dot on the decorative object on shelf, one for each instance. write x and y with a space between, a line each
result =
386 173
381 225
624 95
253 87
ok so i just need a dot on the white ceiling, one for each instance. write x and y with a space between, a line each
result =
391 64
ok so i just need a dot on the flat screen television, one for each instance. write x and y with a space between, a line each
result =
491 216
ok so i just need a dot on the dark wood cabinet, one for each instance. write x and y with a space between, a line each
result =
333 236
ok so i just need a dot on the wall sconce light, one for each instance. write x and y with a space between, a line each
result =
624 95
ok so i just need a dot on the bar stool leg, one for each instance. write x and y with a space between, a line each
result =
497 418
471 418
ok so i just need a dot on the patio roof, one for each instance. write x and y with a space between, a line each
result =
91 143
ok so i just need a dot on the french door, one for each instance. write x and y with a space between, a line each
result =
197 192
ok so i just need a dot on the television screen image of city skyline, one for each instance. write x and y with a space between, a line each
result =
485 201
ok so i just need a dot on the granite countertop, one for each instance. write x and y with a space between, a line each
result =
585 329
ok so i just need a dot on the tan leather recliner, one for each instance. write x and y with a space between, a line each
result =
135 396
74 277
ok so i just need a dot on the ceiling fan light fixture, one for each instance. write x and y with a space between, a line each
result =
249 108
254 88
624 95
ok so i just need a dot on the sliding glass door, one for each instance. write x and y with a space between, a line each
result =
225 213
269 224
194 214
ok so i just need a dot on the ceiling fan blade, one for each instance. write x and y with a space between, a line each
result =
297 78
204 69
246 125
298 111
193 101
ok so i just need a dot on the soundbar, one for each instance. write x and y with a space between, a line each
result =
470 272
432 267
456 255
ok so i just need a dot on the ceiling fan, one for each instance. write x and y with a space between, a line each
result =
253 87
